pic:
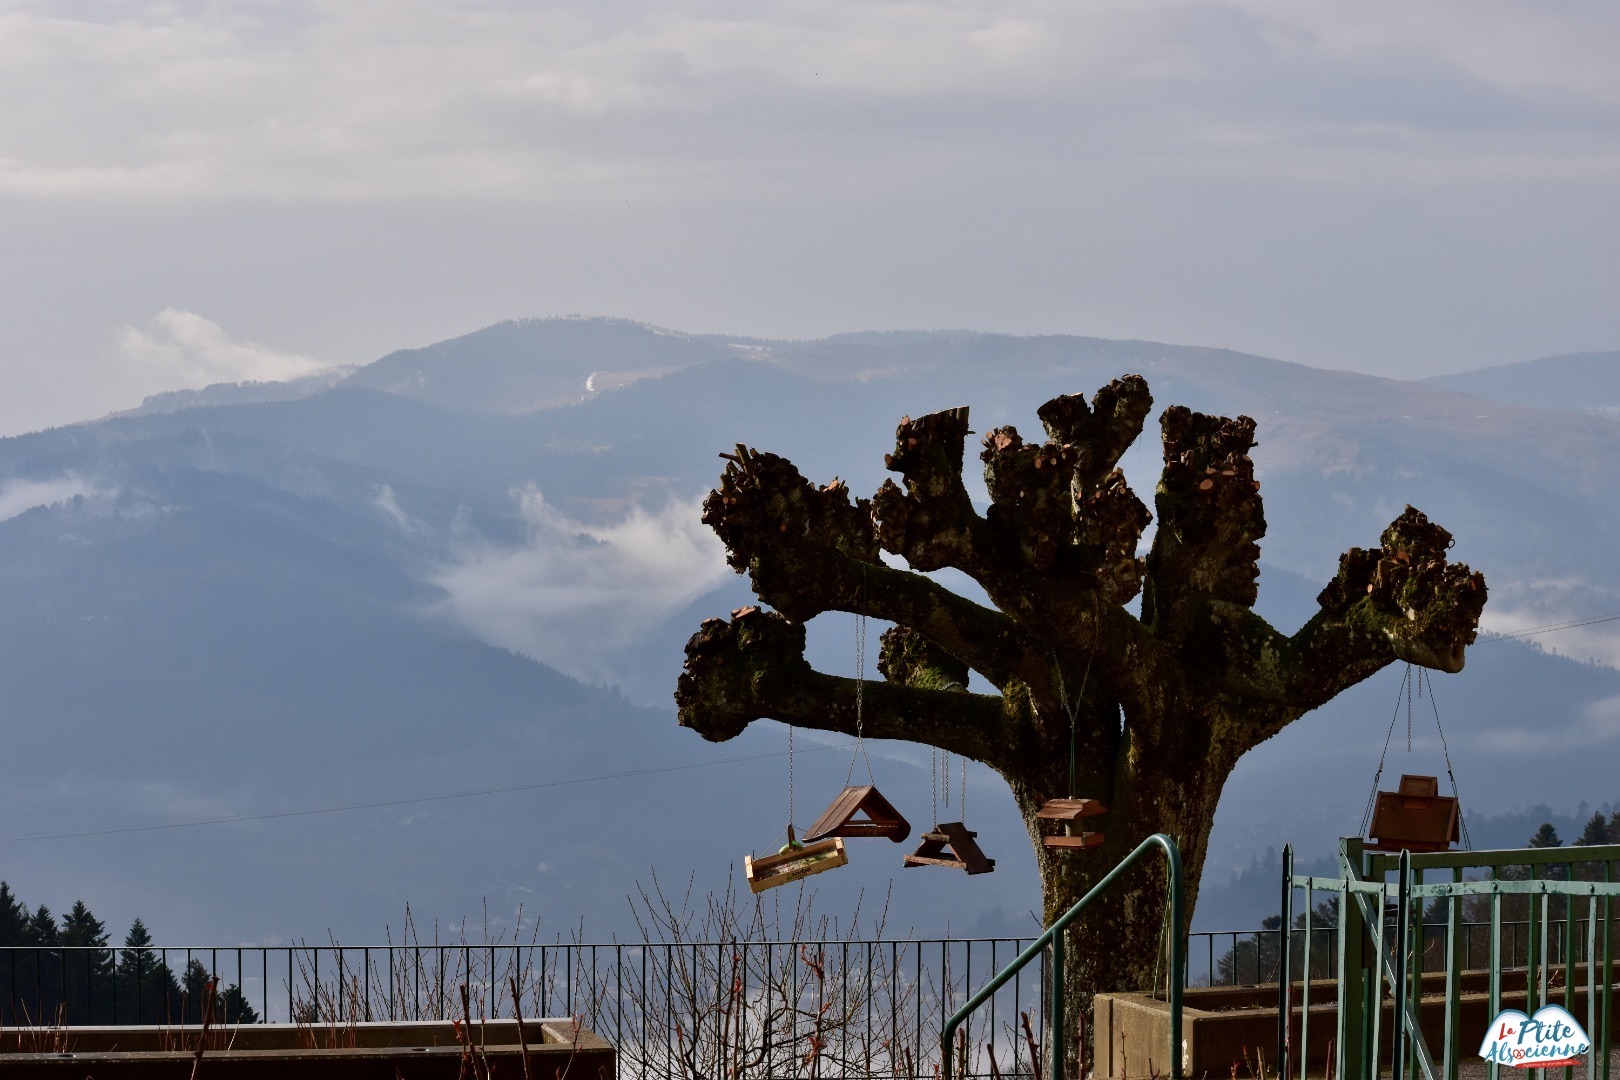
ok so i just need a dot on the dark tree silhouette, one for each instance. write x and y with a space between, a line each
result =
1163 706
148 992
89 968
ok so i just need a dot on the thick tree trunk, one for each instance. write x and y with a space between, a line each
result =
1154 713
1121 942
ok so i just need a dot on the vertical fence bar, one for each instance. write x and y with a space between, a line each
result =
1493 1069
1569 954
1056 995
1285 955
1535 945
1402 968
1305 985
1591 985
1605 1044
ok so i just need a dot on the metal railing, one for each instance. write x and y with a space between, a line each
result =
1388 934
1051 943
872 1008
1251 957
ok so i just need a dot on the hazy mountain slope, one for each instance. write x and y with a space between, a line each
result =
285 604
531 363
1579 382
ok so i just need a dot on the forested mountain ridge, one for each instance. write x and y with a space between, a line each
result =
463 568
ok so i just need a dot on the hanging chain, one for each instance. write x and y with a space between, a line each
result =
1063 693
1468 844
1372 796
860 699
790 778
962 802
1409 681
933 783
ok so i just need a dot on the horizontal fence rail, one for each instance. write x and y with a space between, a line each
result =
835 1008
1529 927
1250 957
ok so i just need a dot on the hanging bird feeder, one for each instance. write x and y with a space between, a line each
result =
1069 813
1415 817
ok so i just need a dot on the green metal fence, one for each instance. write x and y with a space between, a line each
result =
1052 938
1389 1015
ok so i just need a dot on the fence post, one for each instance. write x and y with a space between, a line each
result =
1285 956
1402 967
1352 965
1059 1041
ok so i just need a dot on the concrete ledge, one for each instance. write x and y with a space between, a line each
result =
1226 1026
425 1050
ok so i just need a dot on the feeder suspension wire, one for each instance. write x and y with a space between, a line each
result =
1462 821
962 802
1085 678
933 781
1372 796
1410 686
860 696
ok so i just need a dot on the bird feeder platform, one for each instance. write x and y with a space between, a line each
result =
860 811
793 862
951 845
1069 813
1415 818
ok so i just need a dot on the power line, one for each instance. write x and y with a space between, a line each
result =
567 781
272 815
1548 628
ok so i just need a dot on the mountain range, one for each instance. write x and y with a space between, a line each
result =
440 599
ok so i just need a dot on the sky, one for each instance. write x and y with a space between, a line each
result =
246 189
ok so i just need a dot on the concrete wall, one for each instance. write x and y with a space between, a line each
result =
1228 1026
426 1050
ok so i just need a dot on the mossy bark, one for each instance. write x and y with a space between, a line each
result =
1163 706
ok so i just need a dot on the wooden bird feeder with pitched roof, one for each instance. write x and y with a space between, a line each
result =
1416 817
860 811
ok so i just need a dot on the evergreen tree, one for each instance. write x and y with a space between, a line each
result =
88 967
42 929
1546 837
1595 833
233 1007
230 1004
13 917
13 932
147 988
39 977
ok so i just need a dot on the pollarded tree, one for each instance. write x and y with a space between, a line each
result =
1162 706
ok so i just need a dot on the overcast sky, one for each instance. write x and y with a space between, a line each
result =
192 192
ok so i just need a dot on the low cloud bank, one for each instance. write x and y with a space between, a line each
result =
17 496
572 594
196 352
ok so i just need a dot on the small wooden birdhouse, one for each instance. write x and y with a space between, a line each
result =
860 811
1415 818
1069 813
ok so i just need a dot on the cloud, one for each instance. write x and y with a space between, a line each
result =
1567 616
172 102
1597 725
574 592
17 496
184 346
